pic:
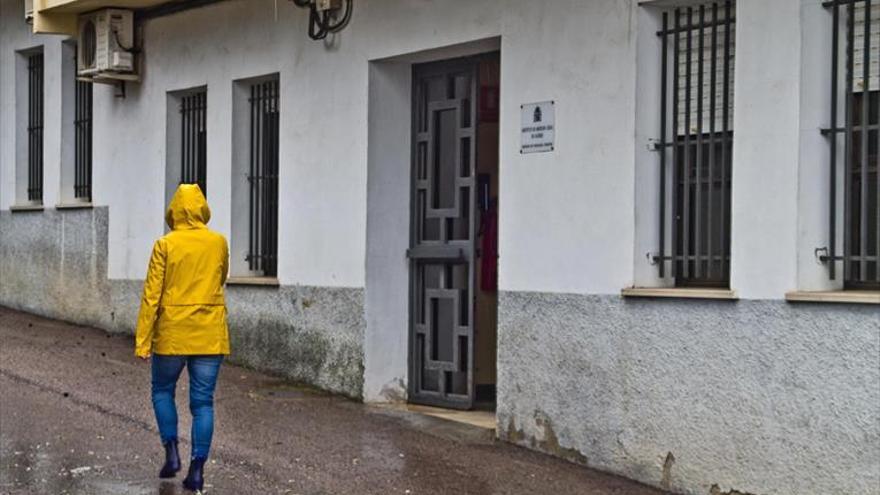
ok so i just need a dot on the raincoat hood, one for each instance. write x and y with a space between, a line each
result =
188 208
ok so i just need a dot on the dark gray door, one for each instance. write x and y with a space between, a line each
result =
442 234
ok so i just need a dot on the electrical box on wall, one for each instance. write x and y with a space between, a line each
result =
105 45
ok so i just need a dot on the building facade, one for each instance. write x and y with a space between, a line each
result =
644 232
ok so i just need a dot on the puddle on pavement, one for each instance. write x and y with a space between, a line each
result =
48 477
46 468
21 480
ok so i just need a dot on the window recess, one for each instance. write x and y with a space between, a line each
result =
35 127
696 144
262 254
853 248
82 124
194 139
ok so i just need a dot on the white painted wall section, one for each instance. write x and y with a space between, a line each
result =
766 148
579 236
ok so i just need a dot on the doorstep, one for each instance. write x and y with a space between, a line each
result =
480 419
463 426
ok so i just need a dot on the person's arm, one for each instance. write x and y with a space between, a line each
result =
153 286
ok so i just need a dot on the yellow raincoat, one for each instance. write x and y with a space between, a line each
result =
183 309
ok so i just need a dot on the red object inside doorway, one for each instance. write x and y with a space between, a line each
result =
489 260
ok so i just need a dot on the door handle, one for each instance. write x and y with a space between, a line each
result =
436 253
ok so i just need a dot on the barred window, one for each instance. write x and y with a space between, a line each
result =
82 124
35 127
854 142
263 178
193 139
696 144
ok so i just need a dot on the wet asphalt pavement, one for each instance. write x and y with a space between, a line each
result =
75 418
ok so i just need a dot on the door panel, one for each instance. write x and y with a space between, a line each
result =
442 240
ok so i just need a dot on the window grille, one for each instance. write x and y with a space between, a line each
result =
193 139
35 127
82 124
263 177
696 156
855 85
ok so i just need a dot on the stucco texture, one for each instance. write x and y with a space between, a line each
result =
310 334
54 263
698 397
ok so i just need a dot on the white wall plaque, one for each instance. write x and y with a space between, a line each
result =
538 127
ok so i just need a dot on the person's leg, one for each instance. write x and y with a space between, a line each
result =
165 372
203 371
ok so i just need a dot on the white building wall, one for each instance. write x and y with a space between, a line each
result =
580 54
324 116
323 123
322 179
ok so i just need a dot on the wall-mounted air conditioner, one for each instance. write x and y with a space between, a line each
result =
105 45
28 10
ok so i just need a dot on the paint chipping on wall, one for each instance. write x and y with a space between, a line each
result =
666 480
394 392
546 441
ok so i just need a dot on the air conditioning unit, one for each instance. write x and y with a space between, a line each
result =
105 44
28 10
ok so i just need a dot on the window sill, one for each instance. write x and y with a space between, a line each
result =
679 293
839 296
20 208
73 206
258 281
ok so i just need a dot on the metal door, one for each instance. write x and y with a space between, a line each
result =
442 234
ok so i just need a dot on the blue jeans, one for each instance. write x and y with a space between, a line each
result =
203 371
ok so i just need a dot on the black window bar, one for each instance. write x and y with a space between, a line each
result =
193 139
35 127
82 125
859 136
699 146
263 177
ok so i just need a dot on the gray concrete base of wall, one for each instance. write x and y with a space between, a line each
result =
309 334
54 264
698 397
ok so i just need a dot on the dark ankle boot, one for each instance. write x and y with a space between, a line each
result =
194 479
172 460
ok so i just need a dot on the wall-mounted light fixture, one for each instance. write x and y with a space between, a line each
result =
326 16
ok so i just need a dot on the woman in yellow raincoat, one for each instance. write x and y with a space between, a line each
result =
182 322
